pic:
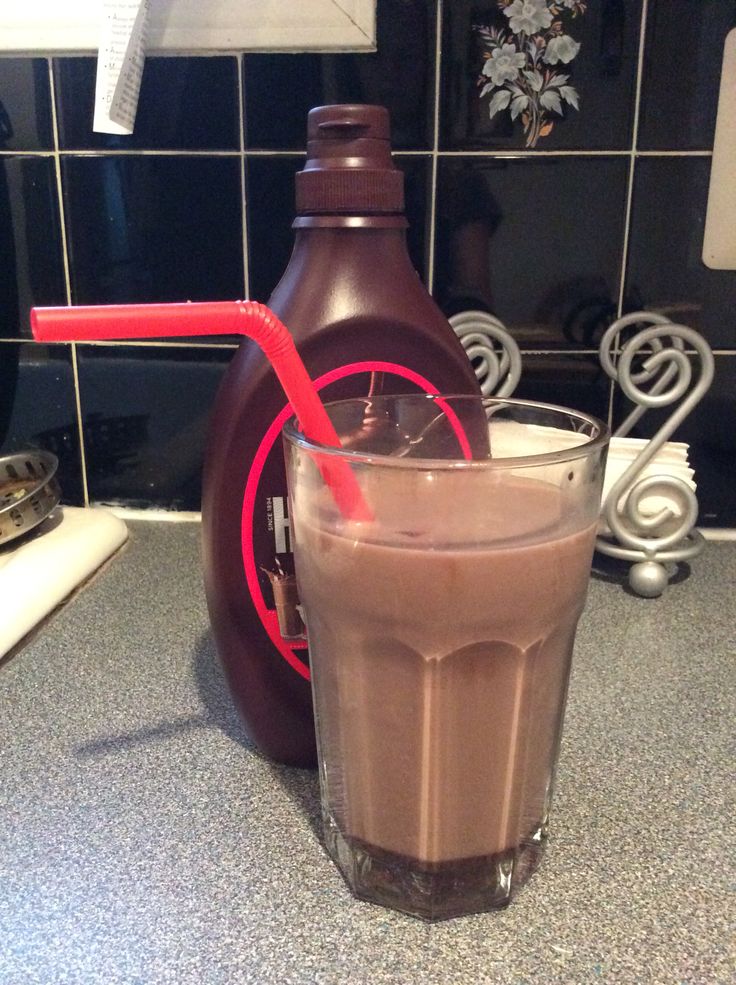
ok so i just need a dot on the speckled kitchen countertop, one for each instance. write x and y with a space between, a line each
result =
143 841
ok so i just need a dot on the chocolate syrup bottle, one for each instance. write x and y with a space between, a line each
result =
364 324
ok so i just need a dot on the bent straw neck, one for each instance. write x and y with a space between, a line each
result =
247 318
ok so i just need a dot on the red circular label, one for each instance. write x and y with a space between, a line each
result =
290 649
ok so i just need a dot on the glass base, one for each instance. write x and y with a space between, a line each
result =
434 890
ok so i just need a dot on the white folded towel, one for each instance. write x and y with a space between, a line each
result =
670 461
510 439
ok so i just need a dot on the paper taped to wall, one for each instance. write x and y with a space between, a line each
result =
719 242
120 64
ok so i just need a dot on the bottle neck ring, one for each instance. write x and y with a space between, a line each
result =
350 222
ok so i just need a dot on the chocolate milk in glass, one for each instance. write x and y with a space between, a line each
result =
441 635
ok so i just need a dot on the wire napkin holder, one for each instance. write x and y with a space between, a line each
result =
660 365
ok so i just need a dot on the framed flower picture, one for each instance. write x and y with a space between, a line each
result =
539 74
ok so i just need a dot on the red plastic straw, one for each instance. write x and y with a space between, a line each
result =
249 318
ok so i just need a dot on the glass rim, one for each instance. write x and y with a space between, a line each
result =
291 433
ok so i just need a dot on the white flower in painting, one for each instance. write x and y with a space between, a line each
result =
570 4
528 16
504 64
561 49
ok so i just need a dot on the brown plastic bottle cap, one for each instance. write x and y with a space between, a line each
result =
349 168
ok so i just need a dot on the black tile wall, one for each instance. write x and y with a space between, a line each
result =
270 203
537 241
712 437
665 270
148 228
184 104
678 107
280 89
31 258
145 413
417 184
572 380
554 177
25 104
37 408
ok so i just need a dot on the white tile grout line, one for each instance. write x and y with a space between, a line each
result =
67 280
632 157
612 152
243 203
435 147
630 187
673 153
57 170
121 152
80 427
299 152
142 344
225 345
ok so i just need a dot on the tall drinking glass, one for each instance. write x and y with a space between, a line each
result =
441 616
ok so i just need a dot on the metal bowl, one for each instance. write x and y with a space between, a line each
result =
29 491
